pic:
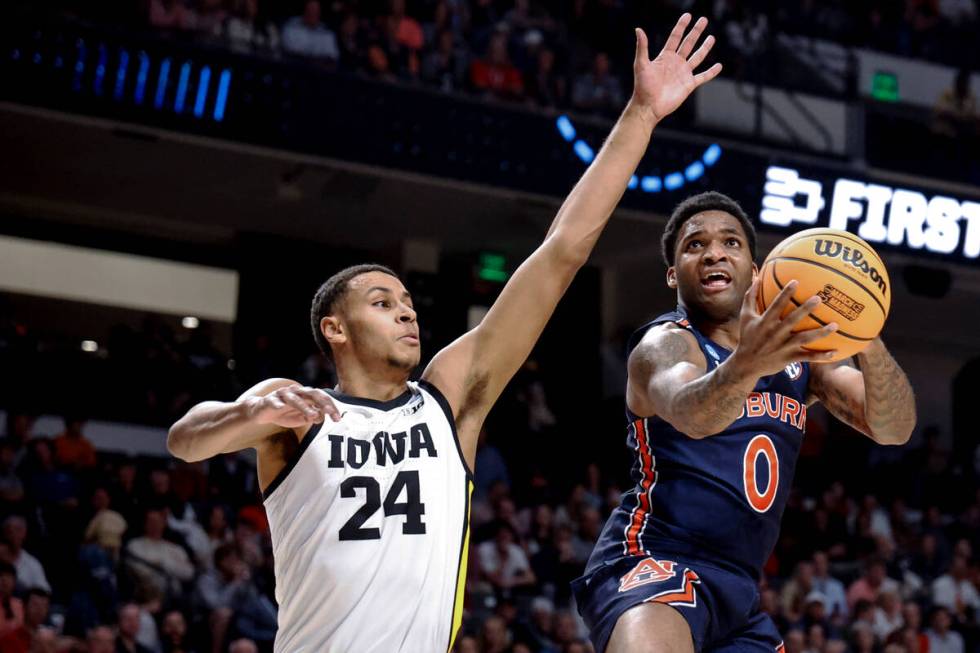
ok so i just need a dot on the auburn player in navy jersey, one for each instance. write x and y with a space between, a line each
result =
717 397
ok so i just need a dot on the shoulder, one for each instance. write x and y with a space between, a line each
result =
667 343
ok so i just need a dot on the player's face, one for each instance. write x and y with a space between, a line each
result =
713 265
379 322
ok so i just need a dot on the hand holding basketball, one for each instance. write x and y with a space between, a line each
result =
293 406
664 83
767 342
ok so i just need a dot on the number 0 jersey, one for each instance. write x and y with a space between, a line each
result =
369 529
718 499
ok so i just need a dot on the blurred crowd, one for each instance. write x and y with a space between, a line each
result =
103 552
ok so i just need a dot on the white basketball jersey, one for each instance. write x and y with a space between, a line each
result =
370 528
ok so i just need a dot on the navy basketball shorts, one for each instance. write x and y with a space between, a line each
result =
721 607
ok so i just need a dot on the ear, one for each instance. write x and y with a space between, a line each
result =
333 330
672 277
755 271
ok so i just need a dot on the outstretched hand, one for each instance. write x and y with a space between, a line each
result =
665 82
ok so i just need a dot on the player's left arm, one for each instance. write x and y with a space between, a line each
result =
876 400
473 370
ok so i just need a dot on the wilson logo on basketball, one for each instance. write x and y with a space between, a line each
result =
836 249
840 302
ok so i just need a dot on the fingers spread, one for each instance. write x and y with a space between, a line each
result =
800 312
702 52
642 46
812 335
708 75
687 45
292 398
775 310
674 40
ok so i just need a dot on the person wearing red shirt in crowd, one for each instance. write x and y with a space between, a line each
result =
494 73
72 449
29 635
11 608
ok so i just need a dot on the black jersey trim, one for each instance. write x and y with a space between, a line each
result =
460 563
400 400
447 409
284 472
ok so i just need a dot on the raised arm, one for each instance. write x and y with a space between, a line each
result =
667 369
877 400
473 370
268 408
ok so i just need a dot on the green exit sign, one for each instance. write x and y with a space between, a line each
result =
492 267
884 86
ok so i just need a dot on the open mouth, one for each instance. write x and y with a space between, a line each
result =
716 280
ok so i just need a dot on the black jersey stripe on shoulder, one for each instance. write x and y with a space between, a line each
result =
400 400
284 472
448 410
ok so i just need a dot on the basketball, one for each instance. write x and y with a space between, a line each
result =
848 276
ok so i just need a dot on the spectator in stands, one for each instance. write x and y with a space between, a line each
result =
101 639
954 590
158 566
171 14
888 615
495 637
11 487
220 590
796 590
405 38
545 87
871 584
129 630
494 75
445 66
174 633
955 114
352 57
11 607
243 645
30 573
306 35
598 90
912 615
538 629
20 429
502 563
941 638
211 15
33 633
246 30
491 468
829 586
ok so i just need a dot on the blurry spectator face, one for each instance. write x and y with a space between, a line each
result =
15 532
928 545
591 524
821 564
794 641
36 610
467 645
504 539
19 427
912 615
864 639
311 13
497 52
42 451
910 640
546 61
155 524
543 516
876 574
129 620
127 475
601 64
768 602
160 481
959 568
835 646
506 510
941 621
243 646
963 548
565 627
174 626
217 522
495 633
8 581
816 638
890 603
816 610
100 500
229 564
101 640
895 648
543 614
804 574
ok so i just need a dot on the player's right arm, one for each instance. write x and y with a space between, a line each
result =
668 373
263 411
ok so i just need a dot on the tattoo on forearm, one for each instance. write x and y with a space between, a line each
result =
889 399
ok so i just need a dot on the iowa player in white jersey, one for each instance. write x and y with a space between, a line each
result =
367 485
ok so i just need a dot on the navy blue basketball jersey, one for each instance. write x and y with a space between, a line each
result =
720 498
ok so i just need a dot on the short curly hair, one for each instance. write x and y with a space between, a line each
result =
708 201
331 292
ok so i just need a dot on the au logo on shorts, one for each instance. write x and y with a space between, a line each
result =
646 572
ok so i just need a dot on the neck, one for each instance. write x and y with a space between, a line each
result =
379 385
725 332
